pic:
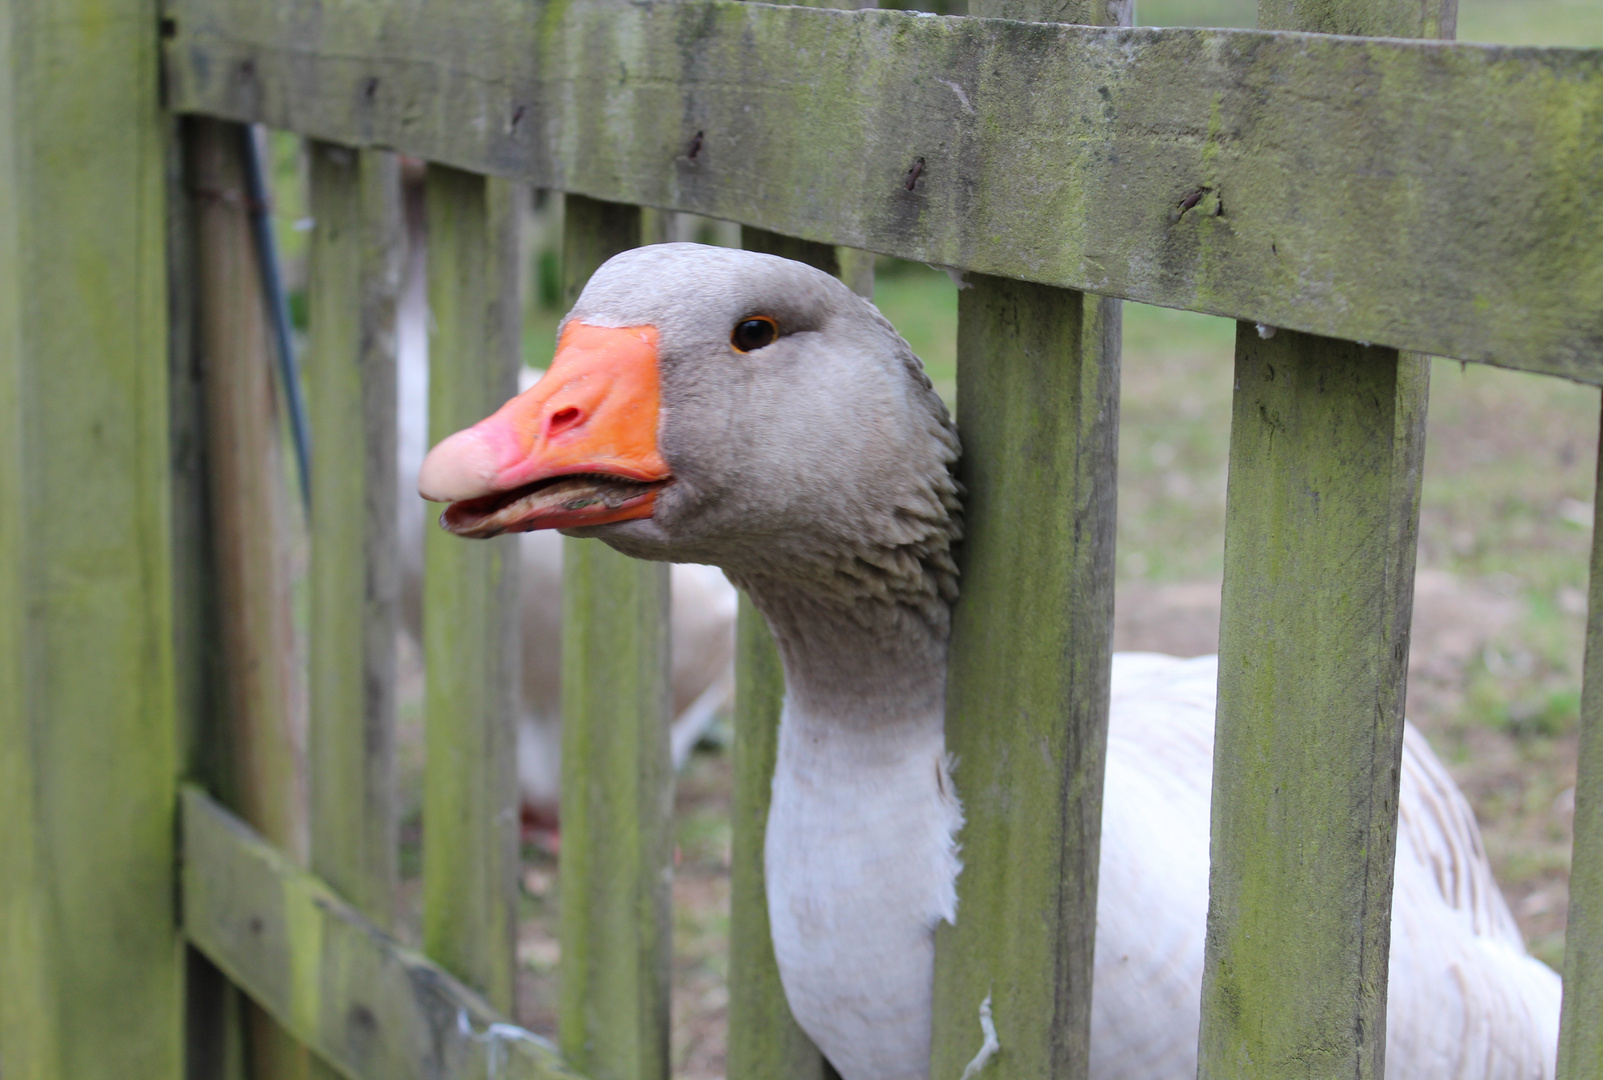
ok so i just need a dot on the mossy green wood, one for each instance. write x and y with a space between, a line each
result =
350 379
470 811
1322 513
1027 689
214 1022
252 514
617 786
1321 526
1580 1044
1414 194
91 965
372 1008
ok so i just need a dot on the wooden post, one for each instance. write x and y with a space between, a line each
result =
350 372
470 811
617 785
1326 445
91 964
1580 1043
252 514
1027 688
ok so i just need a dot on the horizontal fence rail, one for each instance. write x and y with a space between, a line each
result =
365 1003
1421 195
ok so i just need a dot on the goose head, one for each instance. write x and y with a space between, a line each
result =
726 407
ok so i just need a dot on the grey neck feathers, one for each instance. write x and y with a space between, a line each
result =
862 631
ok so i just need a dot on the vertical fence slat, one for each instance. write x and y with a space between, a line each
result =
764 1038
90 965
470 820
350 375
617 786
1027 690
1027 686
1325 450
263 697
1580 1044
1322 515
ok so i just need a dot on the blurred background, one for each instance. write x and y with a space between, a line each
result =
1505 531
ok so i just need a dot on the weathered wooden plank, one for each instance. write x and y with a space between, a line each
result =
470 813
372 1008
1580 1044
89 989
1327 445
263 693
617 784
1322 512
350 374
1426 196
214 1025
1027 689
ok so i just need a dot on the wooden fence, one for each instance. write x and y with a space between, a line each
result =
1373 198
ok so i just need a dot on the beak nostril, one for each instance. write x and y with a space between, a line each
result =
562 420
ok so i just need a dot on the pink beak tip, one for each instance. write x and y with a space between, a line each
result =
463 466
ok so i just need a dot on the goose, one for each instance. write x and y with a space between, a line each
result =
741 410
702 616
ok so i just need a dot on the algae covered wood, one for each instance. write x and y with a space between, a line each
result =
470 630
261 664
1322 512
1327 443
91 964
1421 195
370 1007
1027 687
350 375
617 784
1580 1043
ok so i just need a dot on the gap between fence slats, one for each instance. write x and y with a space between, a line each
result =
253 513
372 1008
617 783
1580 1046
764 1039
470 809
1419 195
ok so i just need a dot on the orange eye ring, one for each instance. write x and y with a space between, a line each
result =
753 333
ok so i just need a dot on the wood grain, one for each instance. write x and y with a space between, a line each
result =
89 755
470 628
370 1007
617 782
1580 1043
1421 195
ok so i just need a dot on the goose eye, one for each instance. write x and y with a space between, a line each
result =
752 334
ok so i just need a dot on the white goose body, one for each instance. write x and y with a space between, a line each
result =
775 425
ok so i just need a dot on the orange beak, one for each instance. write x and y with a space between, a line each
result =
577 448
